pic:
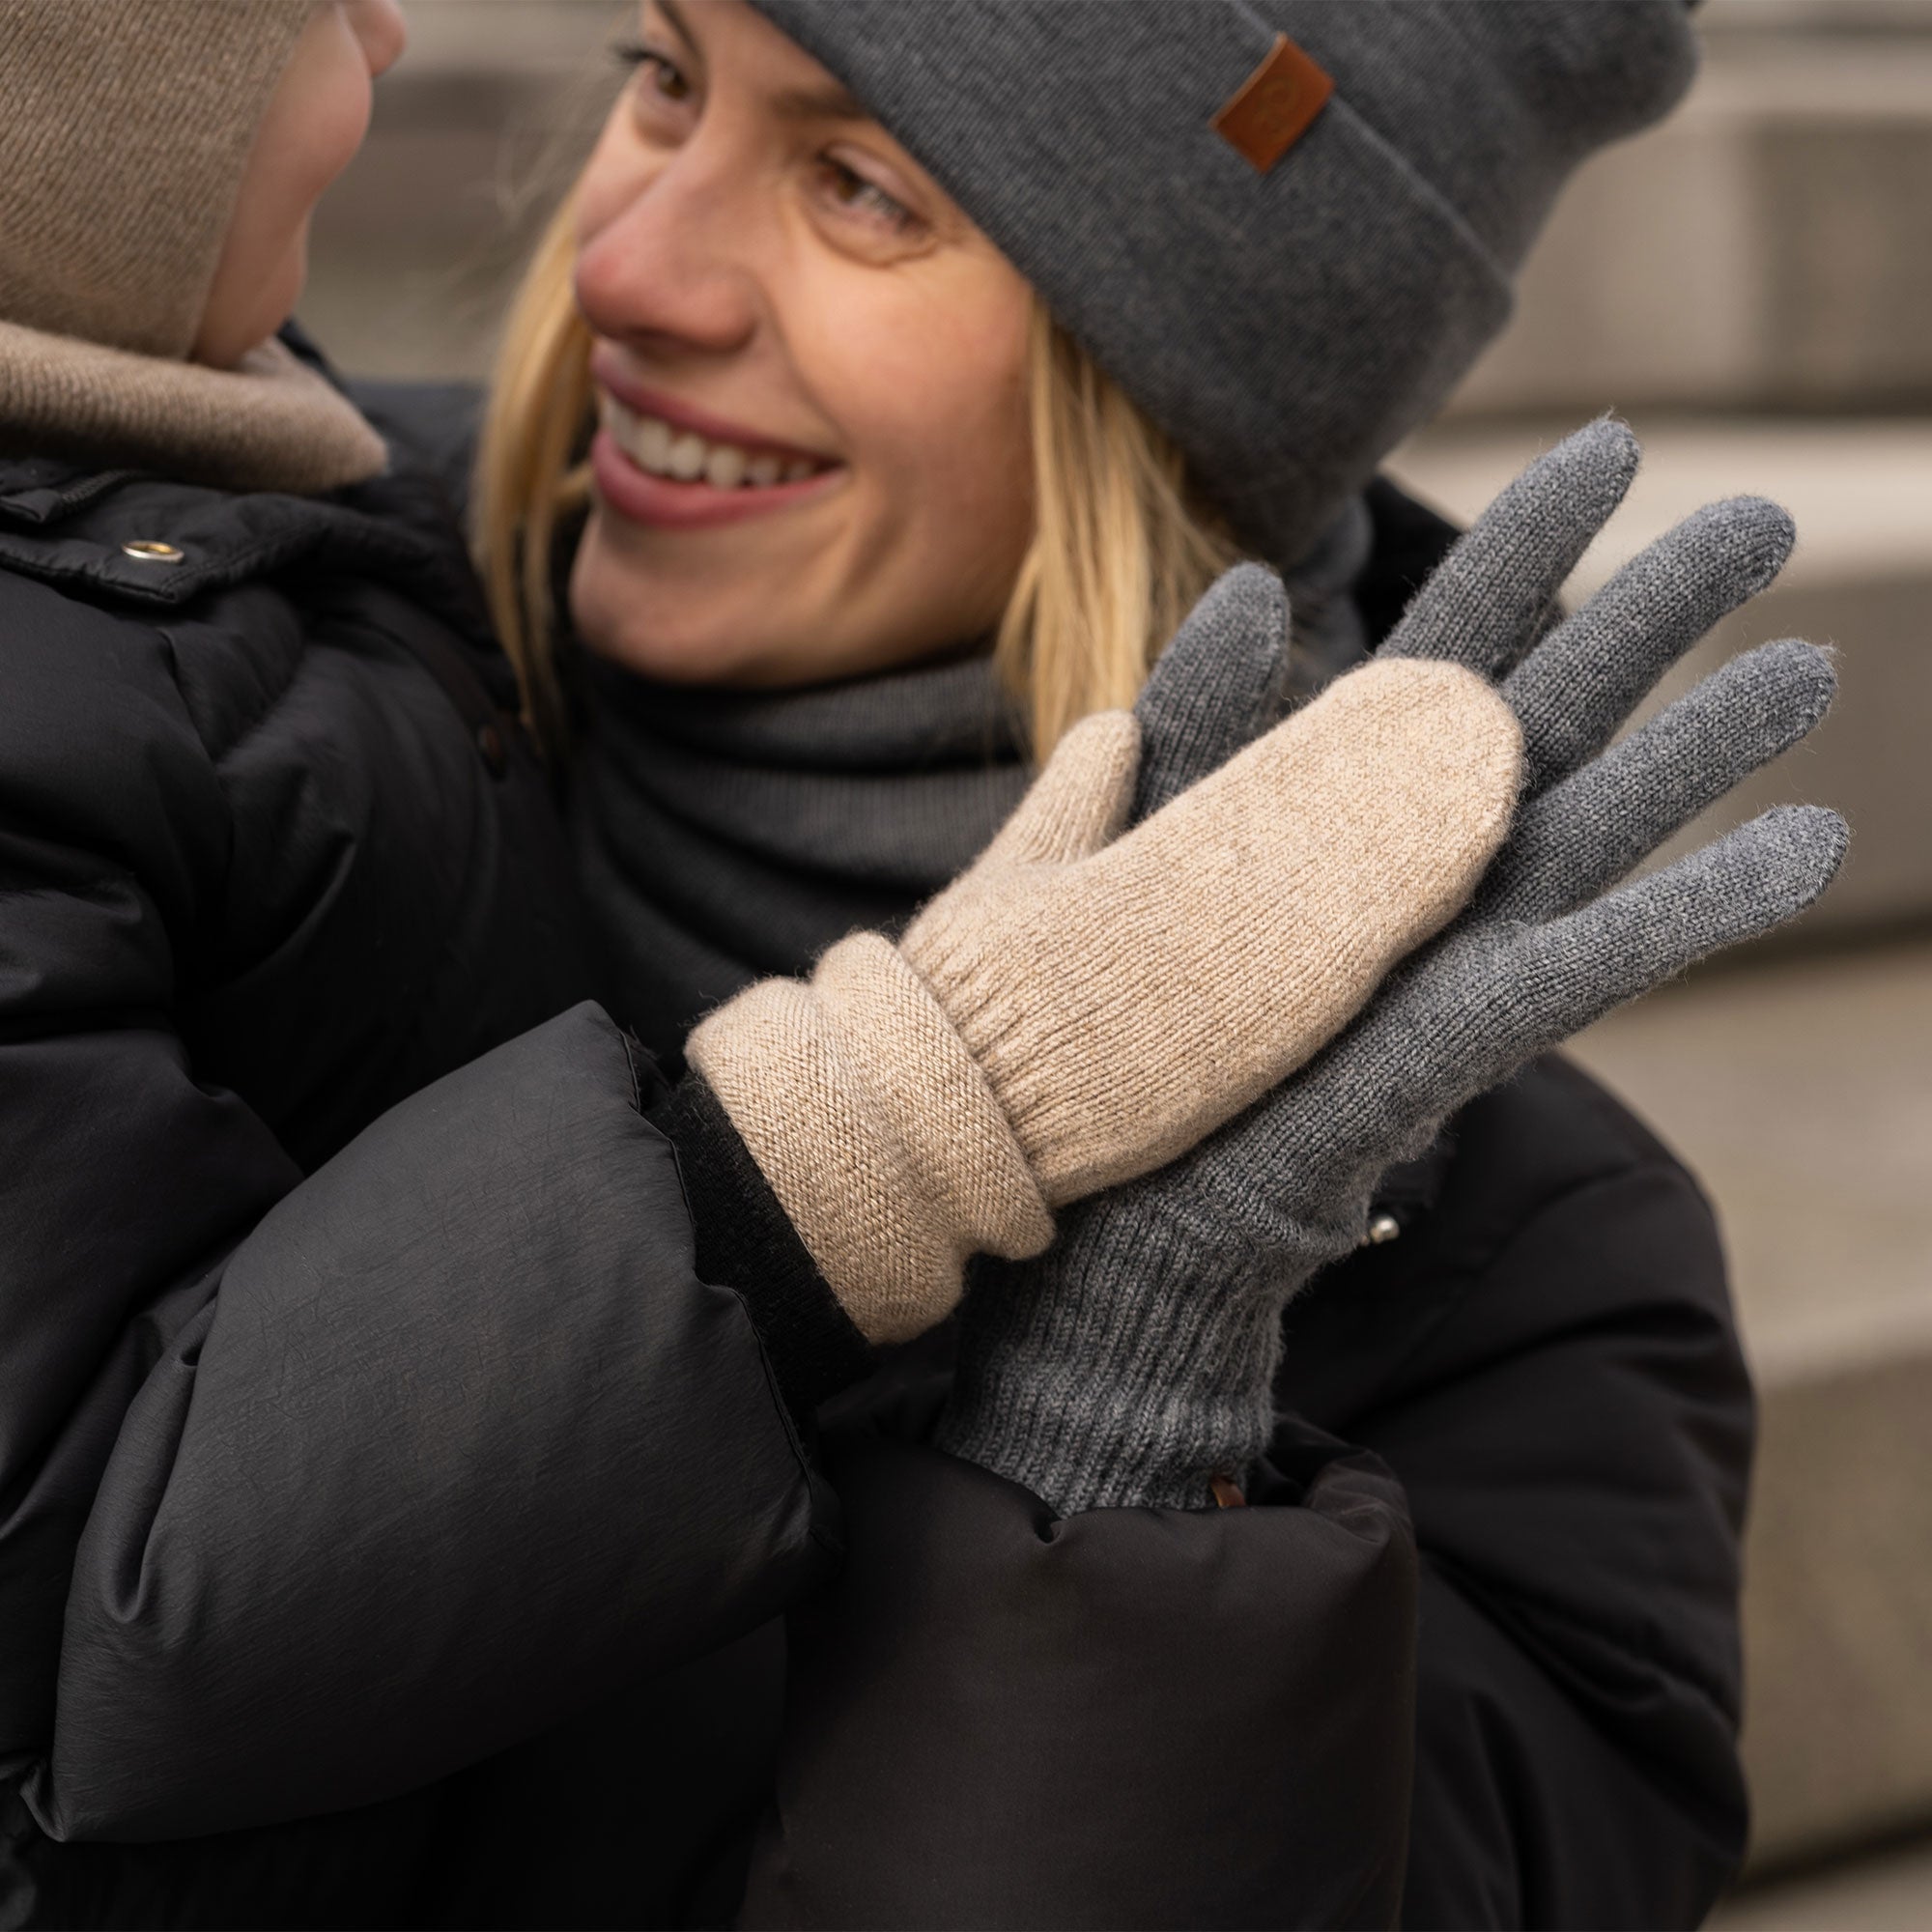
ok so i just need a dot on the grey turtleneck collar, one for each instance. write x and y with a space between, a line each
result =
723 835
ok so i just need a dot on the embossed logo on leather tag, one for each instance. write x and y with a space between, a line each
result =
1275 106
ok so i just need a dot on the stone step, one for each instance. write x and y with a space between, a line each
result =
1883 1892
1722 20
1801 1093
1861 580
1769 246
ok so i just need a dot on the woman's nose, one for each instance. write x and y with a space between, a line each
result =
673 259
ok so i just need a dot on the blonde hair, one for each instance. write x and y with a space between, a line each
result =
1122 546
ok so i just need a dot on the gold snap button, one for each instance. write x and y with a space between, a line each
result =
149 552
1382 1229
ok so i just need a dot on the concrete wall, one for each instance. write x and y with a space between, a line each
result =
1767 249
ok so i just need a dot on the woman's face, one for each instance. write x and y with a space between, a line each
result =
312 131
812 460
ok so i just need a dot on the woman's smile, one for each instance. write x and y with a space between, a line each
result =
668 479
669 464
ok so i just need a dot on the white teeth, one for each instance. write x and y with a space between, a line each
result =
686 460
653 444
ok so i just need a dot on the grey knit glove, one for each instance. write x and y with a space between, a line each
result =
1134 1362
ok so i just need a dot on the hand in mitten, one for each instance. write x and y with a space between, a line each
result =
1134 1362
1082 1006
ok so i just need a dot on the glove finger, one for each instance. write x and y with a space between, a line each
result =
1215 687
1600 823
1487 999
1487 602
1569 972
1578 687
1079 803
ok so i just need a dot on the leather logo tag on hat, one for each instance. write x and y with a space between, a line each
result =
1275 106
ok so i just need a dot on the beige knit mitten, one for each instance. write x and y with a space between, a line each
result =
1081 1007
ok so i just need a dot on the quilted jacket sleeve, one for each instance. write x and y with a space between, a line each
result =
459 1439
312 1489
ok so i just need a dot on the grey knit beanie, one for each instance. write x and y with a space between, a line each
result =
126 128
1289 292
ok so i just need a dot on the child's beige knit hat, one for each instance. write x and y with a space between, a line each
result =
126 128
125 133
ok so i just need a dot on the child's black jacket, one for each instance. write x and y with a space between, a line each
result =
313 1413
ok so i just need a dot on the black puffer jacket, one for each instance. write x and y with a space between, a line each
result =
313 1489
1468 1658
473 1454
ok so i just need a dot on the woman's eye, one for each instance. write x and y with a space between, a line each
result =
658 70
852 191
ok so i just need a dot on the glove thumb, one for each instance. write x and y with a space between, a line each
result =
1215 686
1079 804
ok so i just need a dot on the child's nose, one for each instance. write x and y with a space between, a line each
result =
384 34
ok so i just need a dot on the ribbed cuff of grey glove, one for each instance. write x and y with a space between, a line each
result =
1130 1365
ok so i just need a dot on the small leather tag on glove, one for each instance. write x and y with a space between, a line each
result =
1275 106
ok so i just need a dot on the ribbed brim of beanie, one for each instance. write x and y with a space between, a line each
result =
126 128
1288 325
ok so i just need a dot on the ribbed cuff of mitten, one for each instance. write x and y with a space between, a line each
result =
745 1242
877 1131
1130 1367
